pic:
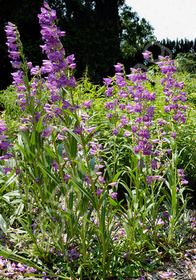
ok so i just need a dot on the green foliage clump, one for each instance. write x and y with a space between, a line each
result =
79 146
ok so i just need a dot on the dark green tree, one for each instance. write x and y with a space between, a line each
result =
92 34
136 33
96 32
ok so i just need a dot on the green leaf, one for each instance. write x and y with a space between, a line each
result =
39 124
90 135
32 141
60 150
74 135
10 181
103 210
3 225
86 192
50 151
48 172
92 164
73 148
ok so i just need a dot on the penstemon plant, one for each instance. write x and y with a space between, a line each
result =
67 166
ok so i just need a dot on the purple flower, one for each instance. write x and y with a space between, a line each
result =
6 169
165 215
113 184
46 132
165 275
138 108
7 156
17 171
21 267
137 149
78 130
87 180
107 81
108 92
173 135
149 261
113 195
2 237
91 129
4 145
153 164
146 54
127 133
101 180
32 270
149 180
109 116
184 182
66 177
118 67
147 148
87 104
12 36
115 131
98 192
55 165
134 129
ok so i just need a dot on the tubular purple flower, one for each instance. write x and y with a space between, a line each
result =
115 131
7 156
113 195
173 135
78 130
6 169
108 92
127 133
87 180
98 192
67 177
46 132
107 81
146 54
87 104
118 67
149 180
137 149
